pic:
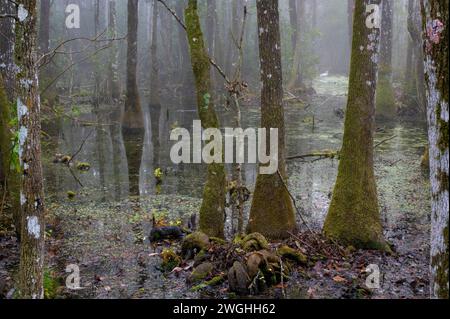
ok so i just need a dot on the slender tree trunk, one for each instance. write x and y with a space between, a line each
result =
409 80
385 102
353 217
154 74
350 13
296 79
7 48
155 104
113 70
96 60
293 20
314 14
213 204
233 36
44 27
272 212
416 83
32 189
183 51
211 20
436 41
133 118
211 23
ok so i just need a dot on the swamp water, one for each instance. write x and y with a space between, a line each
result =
105 226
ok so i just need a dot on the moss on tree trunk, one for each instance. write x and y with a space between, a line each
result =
272 212
6 136
213 204
7 111
353 217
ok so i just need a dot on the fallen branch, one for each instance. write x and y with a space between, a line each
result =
385 140
321 155
332 154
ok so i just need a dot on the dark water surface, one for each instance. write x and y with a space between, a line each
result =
106 224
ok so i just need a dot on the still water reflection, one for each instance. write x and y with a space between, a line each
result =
114 176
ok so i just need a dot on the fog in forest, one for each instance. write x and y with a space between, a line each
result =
112 81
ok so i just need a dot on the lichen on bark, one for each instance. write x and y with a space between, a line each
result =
32 188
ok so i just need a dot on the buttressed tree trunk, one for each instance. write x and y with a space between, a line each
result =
435 29
385 102
32 190
272 212
7 112
213 204
353 217
133 118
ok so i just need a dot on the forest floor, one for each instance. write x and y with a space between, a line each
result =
109 242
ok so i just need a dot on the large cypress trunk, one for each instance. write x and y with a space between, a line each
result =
32 190
435 29
272 212
213 204
353 217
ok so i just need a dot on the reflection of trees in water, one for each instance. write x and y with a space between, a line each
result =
133 140
102 135
119 159
146 183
